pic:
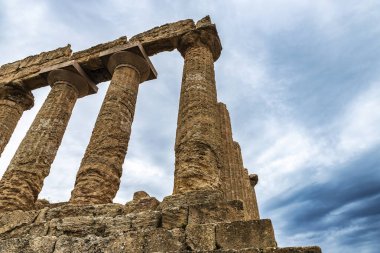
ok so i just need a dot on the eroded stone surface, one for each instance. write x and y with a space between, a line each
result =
245 234
14 100
198 140
28 68
69 228
98 178
23 180
214 207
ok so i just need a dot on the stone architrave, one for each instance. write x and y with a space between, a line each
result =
198 139
14 100
23 180
98 178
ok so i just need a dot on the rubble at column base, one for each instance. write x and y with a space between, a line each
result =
206 224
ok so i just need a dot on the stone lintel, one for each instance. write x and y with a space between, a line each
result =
154 41
136 48
74 67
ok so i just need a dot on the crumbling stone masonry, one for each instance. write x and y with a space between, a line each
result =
213 207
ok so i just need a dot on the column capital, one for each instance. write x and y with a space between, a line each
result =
253 179
16 92
79 83
129 59
201 37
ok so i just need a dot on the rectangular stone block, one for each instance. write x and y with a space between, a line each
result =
68 210
245 234
13 245
114 225
191 198
313 249
131 242
145 220
216 212
79 226
162 240
175 217
26 231
11 220
42 244
201 237
88 244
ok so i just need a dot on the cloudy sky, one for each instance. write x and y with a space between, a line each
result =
301 80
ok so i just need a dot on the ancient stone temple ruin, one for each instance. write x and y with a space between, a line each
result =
213 207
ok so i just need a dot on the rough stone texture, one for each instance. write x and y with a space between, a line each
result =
235 182
216 212
201 237
23 180
92 64
226 174
28 68
142 202
163 38
250 195
214 207
245 234
156 40
198 140
191 198
294 250
14 100
108 228
98 178
162 240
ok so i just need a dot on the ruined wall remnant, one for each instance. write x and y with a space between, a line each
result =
213 207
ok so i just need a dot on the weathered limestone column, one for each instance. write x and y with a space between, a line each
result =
237 167
14 100
98 178
251 197
245 192
198 139
226 175
23 180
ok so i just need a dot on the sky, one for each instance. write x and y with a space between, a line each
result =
301 80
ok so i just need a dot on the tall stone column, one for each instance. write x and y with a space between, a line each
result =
227 174
23 180
198 139
14 100
98 178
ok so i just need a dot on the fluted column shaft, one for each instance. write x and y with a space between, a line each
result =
227 174
244 189
14 100
98 178
198 139
23 180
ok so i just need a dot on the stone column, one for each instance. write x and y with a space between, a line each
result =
228 153
23 180
14 100
245 192
198 138
98 178
237 167
253 179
